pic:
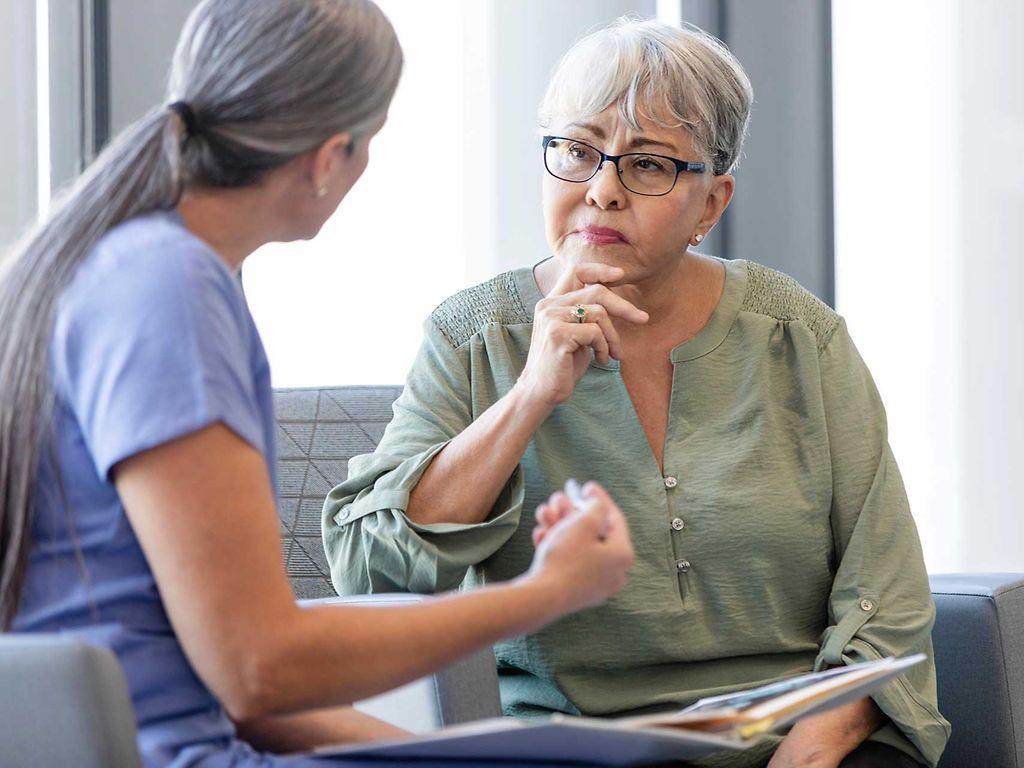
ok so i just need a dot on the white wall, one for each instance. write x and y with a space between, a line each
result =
929 118
990 257
451 196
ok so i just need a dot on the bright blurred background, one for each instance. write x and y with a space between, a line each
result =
880 172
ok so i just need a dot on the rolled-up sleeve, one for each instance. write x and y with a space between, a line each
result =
371 544
881 603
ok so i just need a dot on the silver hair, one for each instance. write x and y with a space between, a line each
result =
675 77
266 80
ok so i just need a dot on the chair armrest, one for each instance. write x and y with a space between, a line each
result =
465 691
63 702
979 661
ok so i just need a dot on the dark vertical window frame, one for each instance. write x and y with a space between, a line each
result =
809 258
828 167
96 70
722 33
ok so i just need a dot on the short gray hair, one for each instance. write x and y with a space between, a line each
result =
675 77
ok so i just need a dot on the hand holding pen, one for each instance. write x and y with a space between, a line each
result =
582 537
572 498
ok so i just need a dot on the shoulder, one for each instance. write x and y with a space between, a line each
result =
497 300
776 295
151 265
149 289
154 249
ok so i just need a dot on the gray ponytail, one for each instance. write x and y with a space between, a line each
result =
267 80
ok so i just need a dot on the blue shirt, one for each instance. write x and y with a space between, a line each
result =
152 340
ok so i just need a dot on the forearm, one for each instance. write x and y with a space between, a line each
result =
307 730
822 741
338 654
487 451
222 582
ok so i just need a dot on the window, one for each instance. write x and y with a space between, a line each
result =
347 307
928 272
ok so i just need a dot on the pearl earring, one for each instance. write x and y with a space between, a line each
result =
698 238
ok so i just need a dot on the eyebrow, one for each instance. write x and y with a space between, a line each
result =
634 143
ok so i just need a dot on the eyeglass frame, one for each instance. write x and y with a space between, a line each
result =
682 166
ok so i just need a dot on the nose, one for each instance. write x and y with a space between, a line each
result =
605 190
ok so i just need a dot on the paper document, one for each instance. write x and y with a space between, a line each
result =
731 722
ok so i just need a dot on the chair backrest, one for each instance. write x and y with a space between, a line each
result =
318 431
979 660
63 702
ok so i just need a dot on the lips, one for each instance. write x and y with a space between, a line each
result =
601 235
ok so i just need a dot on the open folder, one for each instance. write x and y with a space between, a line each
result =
731 722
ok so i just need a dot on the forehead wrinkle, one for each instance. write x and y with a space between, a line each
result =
642 141
636 142
588 127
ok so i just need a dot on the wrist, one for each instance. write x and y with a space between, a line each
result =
529 400
829 737
548 601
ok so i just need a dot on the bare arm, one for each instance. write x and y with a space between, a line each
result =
490 448
203 511
488 451
822 741
303 731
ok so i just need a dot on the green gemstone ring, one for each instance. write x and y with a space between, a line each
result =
579 313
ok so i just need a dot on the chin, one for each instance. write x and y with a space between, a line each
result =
612 255
309 231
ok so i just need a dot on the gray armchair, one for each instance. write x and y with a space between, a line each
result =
65 703
979 659
319 430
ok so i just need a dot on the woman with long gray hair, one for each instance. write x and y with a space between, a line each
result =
136 424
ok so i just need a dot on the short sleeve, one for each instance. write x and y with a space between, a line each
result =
152 345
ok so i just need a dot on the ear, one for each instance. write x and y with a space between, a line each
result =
324 161
719 195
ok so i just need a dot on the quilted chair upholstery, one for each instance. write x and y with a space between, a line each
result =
318 431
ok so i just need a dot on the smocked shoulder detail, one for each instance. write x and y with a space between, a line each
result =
778 295
495 301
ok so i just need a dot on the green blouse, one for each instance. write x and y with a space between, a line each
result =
779 538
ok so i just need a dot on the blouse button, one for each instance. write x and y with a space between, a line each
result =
683 566
866 605
677 524
671 482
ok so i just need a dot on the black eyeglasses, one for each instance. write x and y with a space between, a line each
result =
642 173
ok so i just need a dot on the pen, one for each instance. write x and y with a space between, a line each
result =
575 494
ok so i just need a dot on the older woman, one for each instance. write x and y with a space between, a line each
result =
723 405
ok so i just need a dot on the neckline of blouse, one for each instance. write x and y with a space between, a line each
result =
706 340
